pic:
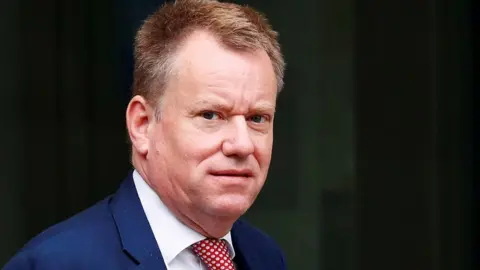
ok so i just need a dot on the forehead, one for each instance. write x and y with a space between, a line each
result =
203 59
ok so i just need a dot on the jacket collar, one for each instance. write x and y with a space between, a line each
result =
247 253
136 236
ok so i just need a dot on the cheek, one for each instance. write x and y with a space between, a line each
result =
264 152
192 145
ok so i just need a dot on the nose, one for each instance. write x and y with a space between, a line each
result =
238 141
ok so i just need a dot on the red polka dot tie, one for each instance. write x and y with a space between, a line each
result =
214 253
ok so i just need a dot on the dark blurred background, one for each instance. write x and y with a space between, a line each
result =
374 144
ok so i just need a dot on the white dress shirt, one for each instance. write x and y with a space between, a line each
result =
173 237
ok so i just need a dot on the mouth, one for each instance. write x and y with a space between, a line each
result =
232 173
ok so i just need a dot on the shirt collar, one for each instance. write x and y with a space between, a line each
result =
172 236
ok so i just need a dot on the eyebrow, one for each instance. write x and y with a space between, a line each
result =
221 104
217 103
265 107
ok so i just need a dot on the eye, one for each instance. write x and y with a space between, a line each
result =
209 115
258 118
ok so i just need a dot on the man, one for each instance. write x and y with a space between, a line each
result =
206 79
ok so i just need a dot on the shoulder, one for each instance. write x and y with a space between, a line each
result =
258 243
73 240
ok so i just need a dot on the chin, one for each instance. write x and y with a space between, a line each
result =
230 206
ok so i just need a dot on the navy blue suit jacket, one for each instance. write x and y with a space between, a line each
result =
115 234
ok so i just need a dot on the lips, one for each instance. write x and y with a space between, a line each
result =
233 173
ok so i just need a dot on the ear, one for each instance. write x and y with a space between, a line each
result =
139 117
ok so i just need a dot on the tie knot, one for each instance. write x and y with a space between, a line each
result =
214 253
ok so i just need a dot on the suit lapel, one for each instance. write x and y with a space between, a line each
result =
136 236
246 255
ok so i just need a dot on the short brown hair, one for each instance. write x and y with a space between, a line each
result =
237 27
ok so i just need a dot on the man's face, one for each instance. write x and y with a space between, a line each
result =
210 150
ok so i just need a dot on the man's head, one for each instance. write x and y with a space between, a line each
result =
206 80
